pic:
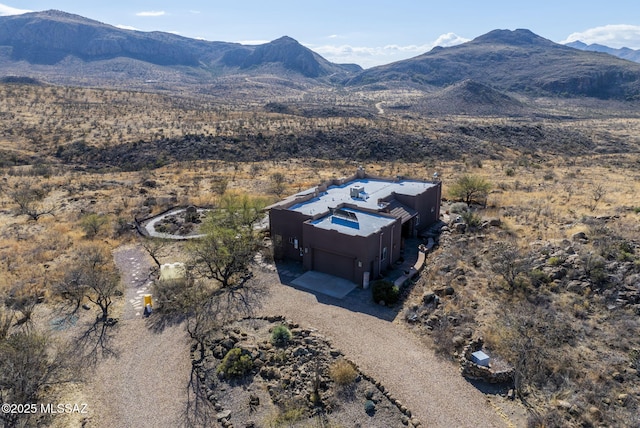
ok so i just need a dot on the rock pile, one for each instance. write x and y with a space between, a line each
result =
295 376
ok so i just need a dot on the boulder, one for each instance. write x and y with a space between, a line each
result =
579 237
223 415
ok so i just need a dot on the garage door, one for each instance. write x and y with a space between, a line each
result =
334 264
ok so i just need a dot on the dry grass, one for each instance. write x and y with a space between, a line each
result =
539 198
342 372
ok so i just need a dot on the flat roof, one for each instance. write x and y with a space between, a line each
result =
373 189
358 223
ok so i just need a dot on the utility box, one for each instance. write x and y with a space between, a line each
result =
480 358
146 300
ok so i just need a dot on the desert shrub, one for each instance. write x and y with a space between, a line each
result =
369 407
173 296
121 227
92 224
291 414
470 188
235 364
342 372
538 277
634 358
555 261
471 219
594 268
281 335
385 291
458 208
510 172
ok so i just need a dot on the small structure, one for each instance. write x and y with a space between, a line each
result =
480 358
169 271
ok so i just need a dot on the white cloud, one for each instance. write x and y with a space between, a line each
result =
127 27
253 42
449 39
8 10
152 13
614 36
368 56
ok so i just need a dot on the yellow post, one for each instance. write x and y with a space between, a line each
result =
147 300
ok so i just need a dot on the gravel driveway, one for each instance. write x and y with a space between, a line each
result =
432 388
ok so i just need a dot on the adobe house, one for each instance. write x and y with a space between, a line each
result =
355 227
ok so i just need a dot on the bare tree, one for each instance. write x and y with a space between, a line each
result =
91 276
30 364
30 199
277 183
509 262
596 195
156 248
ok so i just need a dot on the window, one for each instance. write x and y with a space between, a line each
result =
383 256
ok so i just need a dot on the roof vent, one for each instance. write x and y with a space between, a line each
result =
357 192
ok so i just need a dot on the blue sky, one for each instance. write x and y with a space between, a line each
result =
368 33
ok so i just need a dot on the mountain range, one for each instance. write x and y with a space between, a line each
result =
61 48
624 53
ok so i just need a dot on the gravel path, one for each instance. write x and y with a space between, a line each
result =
145 385
432 388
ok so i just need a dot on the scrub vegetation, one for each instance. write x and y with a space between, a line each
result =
552 287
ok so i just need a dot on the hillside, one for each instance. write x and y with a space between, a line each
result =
514 61
59 47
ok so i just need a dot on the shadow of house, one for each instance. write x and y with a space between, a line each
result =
353 228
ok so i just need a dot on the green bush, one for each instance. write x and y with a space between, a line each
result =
538 278
280 336
555 261
369 407
471 219
385 291
235 364
458 208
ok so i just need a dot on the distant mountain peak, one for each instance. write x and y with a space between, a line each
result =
518 37
285 39
59 15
